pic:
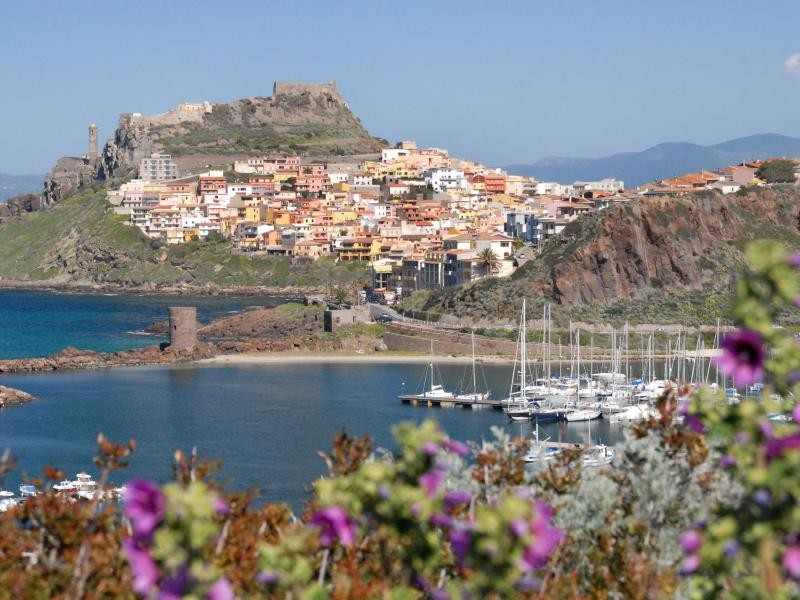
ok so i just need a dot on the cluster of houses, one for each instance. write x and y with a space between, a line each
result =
418 217
726 180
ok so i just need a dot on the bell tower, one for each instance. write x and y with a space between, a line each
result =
92 154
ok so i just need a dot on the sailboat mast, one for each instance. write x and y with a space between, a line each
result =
523 351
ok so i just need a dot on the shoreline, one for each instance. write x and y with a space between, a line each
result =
267 358
86 287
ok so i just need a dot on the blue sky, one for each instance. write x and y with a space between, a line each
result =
502 82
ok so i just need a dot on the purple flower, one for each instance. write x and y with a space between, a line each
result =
796 413
431 481
519 527
742 357
727 461
267 578
440 520
528 584
440 594
537 552
460 542
690 541
455 498
221 590
776 446
221 507
794 377
457 448
690 564
174 587
430 449
334 524
765 427
691 421
742 437
731 548
144 506
762 498
794 260
791 560
144 570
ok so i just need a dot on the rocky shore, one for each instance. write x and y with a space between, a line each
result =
9 395
183 289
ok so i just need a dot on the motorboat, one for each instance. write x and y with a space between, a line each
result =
28 490
65 486
597 456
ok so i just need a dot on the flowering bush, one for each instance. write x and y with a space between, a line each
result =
703 501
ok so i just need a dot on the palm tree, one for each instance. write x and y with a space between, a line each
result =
488 260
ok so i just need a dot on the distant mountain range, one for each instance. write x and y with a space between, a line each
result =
660 162
11 185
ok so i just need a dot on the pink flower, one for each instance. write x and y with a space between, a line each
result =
796 413
545 538
221 506
457 448
727 461
430 449
144 506
144 570
519 527
221 590
742 357
791 560
776 446
794 260
431 481
691 421
334 524
691 541
690 564
455 498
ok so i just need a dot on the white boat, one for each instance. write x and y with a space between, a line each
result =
27 490
540 451
65 486
430 389
84 482
583 414
471 394
517 405
598 455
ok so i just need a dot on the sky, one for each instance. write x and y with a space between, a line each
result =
501 82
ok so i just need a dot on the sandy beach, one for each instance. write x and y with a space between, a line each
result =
329 358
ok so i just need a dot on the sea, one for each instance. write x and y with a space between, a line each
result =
266 423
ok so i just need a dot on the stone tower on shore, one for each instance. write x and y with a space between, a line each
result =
92 155
182 327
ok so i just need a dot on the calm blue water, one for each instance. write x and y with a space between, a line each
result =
266 422
40 323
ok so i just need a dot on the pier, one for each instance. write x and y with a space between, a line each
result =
434 402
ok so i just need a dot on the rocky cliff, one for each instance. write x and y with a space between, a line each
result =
298 118
637 256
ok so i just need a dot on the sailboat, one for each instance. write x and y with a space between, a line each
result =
431 390
517 405
471 394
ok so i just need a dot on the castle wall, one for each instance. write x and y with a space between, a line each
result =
290 88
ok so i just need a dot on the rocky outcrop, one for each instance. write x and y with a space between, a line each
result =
9 395
21 204
298 117
264 323
674 243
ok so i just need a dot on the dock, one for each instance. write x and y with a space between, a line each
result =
452 403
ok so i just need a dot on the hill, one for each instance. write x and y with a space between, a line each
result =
81 241
13 185
650 260
661 161
311 119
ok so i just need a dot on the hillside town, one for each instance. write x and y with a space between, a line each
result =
419 218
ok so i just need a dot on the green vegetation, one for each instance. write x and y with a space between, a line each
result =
779 170
81 239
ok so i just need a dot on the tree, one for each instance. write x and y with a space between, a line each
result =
488 261
779 170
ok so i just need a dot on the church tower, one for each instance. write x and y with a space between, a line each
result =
92 155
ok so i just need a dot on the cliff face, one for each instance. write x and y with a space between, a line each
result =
675 243
635 254
309 118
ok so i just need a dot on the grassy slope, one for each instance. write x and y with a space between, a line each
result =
82 240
